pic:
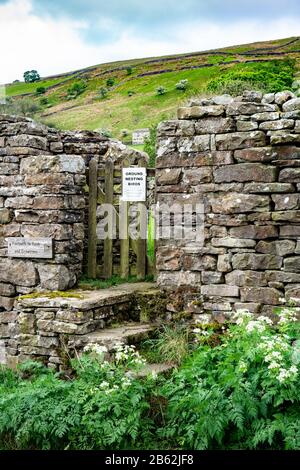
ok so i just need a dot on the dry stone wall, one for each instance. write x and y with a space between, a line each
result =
240 158
42 174
43 194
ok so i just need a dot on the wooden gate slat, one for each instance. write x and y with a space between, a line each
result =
109 196
124 235
92 222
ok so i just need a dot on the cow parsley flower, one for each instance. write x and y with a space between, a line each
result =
255 325
264 319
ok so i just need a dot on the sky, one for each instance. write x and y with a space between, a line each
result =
55 36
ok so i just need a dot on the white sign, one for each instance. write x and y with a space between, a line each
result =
134 184
139 136
30 247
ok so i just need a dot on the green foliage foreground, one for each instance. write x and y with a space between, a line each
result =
239 390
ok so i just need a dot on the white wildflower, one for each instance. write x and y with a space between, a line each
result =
243 366
104 384
265 320
196 330
95 348
243 314
273 365
273 355
254 325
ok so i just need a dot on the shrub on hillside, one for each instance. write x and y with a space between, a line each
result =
22 107
110 82
273 76
44 101
105 132
76 89
125 133
182 85
237 87
41 90
103 92
161 90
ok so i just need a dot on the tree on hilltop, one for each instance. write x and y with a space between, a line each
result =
31 76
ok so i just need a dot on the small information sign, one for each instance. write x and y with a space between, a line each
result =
134 184
30 247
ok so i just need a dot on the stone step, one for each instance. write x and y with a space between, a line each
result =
84 300
127 333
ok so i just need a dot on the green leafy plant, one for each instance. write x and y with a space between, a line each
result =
105 407
129 70
241 394
238 388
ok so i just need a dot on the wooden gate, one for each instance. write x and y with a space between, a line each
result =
98 196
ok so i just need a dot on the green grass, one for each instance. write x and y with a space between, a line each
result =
20 88
171 345
151 238
86 283
144 108
137 147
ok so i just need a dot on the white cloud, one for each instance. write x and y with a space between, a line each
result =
57 45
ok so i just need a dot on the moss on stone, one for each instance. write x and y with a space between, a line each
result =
150 304
52 295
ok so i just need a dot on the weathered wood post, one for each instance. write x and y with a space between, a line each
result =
124 234
109 196
92 221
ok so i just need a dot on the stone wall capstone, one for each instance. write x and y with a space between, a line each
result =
240 158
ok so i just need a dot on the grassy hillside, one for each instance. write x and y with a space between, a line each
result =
132 101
